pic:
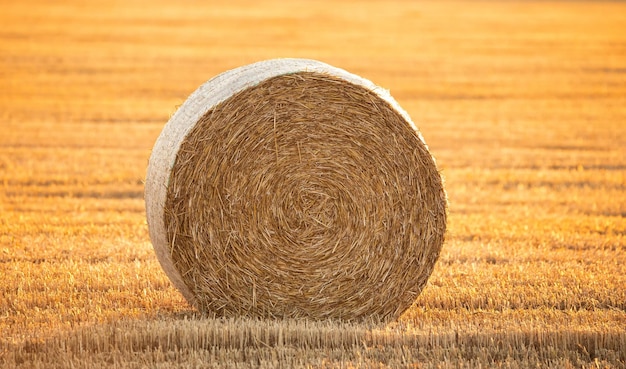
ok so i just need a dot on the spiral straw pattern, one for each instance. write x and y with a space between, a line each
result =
302 195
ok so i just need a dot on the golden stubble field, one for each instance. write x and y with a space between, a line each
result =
523 104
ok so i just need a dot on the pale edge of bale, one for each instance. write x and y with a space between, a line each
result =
195 107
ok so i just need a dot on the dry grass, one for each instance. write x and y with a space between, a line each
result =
522 103
317 199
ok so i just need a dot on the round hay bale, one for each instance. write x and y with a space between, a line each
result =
291 188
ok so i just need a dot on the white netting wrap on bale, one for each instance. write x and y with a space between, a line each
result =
291 188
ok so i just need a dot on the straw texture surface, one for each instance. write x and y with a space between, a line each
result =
305 193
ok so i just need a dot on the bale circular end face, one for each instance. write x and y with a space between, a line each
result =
290 188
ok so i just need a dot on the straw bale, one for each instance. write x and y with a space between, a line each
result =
290 188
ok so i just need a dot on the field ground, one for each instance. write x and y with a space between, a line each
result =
523 104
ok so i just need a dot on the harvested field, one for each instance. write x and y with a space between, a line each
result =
523 104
